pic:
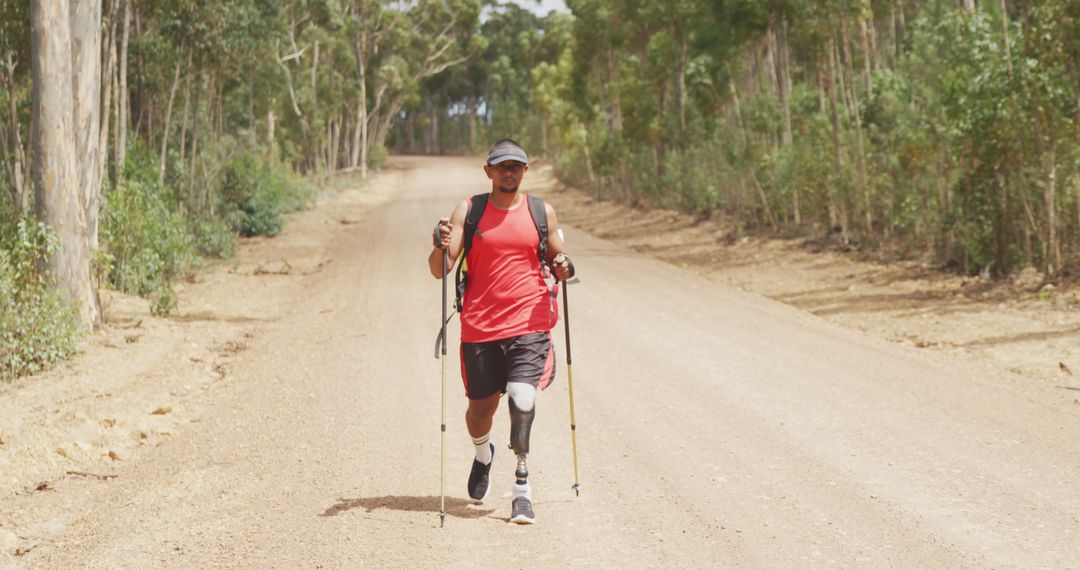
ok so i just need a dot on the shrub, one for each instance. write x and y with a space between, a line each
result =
213 237
37 329
254 193
147 241
376 156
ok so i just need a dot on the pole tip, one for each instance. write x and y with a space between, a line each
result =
577 489
442 519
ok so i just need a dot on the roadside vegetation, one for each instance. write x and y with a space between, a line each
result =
944 130
939 129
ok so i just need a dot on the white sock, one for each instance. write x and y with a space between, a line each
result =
483 448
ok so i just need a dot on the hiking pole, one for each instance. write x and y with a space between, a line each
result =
442 434
570 382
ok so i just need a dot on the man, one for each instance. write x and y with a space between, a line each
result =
506 314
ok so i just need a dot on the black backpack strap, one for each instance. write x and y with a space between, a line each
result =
477 205
538 210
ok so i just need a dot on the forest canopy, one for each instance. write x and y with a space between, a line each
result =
138 136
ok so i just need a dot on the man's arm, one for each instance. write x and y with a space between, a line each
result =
556 258
449 233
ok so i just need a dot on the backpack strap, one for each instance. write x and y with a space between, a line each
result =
477 205
538 210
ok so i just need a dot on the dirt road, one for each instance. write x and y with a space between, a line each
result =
297 425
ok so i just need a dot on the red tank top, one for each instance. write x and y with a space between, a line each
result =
506 295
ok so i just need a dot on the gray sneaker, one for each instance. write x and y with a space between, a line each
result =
521 511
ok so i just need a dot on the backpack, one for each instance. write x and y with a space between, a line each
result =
472 220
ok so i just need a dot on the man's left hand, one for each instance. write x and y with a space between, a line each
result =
563 267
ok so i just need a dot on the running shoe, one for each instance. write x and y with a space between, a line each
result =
479 482
521 511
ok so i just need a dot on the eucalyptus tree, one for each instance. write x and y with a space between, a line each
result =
65 42
14 101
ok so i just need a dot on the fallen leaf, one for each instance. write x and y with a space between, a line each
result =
62 452
1064 368
113 455
161 411
108 422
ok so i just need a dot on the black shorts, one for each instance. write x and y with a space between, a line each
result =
486 367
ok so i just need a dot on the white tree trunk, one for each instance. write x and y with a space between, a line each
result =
109 65
55 172
122 100
86 84
168 123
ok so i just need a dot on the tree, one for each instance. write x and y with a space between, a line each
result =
59 132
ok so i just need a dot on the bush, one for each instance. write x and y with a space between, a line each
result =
376 156
254 193
148 242
37 329
213 237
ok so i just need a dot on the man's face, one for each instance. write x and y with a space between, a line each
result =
506 175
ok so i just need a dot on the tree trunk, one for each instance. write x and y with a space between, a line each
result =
116 101
313 118
122 96
188 73
867 14
9 170
613 78
856 114
835 117
362 120
738 111
472 123
56 173
140 107
270 120
782 83
19 162
894 26
86 83
192 198
359 154
1076 200
1053 249
168 122
680 86
105 115
436 147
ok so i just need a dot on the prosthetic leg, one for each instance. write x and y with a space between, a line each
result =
522 411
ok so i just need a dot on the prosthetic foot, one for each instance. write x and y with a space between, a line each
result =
521 511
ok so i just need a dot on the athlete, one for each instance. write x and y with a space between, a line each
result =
506 316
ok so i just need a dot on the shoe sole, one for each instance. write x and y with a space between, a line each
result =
522 519
486 493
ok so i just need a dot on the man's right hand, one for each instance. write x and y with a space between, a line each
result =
440 236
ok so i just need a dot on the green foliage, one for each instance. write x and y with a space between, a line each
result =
255 192
148 242
37 329
377 155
